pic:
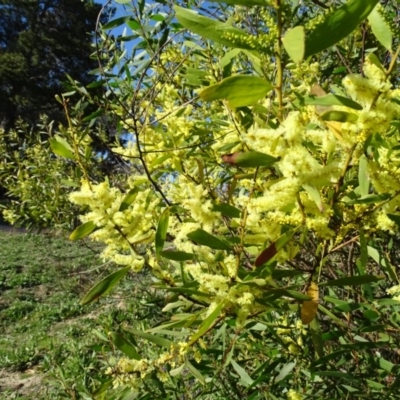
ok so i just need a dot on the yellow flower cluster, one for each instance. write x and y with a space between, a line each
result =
121 229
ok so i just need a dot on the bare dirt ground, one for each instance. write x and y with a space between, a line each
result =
15 384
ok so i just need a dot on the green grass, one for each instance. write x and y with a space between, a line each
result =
49 344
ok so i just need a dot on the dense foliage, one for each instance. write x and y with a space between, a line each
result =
263 197
40 42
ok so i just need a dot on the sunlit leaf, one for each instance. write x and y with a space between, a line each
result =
339 116
380 28
219 32
207 323
238 90
315 196
285 371
332 100
83 230
244 376
61 147
128 199
337 25
294 43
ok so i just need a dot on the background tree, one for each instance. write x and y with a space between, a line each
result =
40 42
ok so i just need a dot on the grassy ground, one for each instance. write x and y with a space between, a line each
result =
49 344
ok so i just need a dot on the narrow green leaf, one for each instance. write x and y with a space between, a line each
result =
353 280
331 356
103 388
61 147
195 372
294 43
207 323
395 218
238 90
335 374
315 196
114 23
332 316
201 237
250 159
82 230
93 115
363 179
369 199
158 340
176 255
244 376
316 336
285 371
227 210
186 290
161 232
128 199
332 100
339 116
383 262
361 264
104 286
337 25
217 31
380 27
125 346
273 294
228 146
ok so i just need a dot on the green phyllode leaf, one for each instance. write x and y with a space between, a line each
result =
239 90
250 159
294 43
337 25
161 232
125 346
380 28
201 237
61 147
353 280
207 28
104 286
83 230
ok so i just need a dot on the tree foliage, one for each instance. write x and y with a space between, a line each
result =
263 198
40 42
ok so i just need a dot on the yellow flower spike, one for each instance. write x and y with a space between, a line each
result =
310 307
